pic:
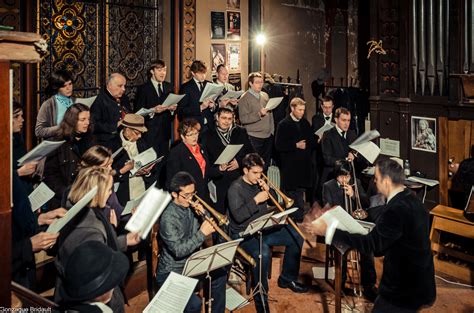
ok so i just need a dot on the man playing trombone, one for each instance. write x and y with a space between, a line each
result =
248 197
182 234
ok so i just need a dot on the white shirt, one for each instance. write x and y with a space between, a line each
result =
158 86
340 131
327 121
198 83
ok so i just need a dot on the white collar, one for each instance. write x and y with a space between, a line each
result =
198 83
294 118
156 83
339 131
395 192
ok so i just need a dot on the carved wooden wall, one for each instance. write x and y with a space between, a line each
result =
189 37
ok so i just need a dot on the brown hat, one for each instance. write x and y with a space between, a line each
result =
134 121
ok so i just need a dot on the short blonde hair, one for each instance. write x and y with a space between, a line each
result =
87 179
296 101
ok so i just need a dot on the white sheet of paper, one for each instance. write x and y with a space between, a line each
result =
367 136
368 150
345 221
281 217
76 208
256 224
144 112
228 154
40 196
116 186
172 99
234 300
424 181
390 147
173 295
320 132
40 151
230 94
135 202
212 191
143 159
86 101
211 91
273 103
116 152
200 262
135 171
319 272
148 211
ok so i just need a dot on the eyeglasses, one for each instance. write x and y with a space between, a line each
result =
187 196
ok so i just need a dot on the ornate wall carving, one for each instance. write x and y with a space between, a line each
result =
189 37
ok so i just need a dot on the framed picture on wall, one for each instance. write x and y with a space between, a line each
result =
235 80
217 55
217 25
423 133
233 25
233 57
233 4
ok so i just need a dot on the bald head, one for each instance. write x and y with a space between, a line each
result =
116 85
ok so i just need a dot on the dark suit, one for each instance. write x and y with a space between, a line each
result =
334 147
159 126
181 159
402 236
189 106
105 114
214 147
333 194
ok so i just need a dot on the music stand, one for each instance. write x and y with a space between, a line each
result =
257 226
210 259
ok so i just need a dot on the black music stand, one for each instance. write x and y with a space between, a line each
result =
210 259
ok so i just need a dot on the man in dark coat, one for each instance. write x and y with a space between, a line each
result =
295 141
151 95
215 141
402 236
335 143
191 106
108 109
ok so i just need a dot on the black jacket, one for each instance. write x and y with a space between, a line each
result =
159 126
214 147
334 147
318 121
181 159
295 163
402 236
105 114
334 195
189 106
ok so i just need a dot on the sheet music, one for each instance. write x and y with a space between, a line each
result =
148 212
116 186
133 203
173 295
280 218
142 159
228 154
76 208
273 103
368 150
86 101
234 300
367 136
424 181
147 165
40 151
256 225
211 258
211 91
40 196
230 94
172 99
320 132
345 221
144 112
116 152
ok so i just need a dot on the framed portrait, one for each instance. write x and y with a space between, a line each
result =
217 55
233 57
217 25
236 80
233 4
423 133
233 25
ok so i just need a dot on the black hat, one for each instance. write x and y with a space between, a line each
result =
92 270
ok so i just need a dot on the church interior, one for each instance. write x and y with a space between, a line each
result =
400 70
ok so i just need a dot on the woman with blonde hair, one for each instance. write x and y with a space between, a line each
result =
91 224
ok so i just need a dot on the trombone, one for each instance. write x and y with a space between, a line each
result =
288 204
218 216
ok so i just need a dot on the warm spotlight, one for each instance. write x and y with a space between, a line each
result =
261 39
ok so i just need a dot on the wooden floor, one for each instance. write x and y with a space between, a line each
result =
450 298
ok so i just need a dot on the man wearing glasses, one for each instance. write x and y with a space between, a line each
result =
182 234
